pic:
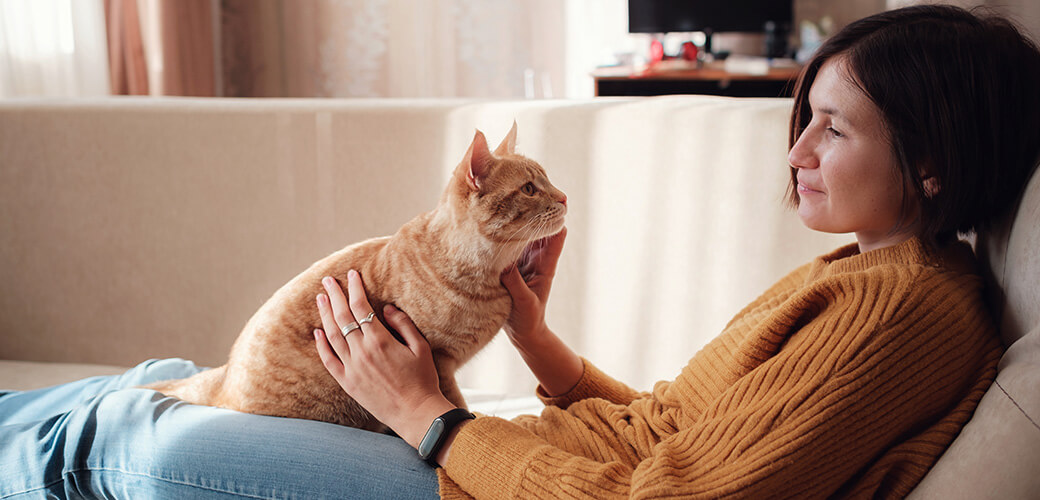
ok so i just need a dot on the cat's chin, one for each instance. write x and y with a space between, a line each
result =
524 263
537 244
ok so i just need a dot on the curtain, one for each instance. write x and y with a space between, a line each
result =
187 48
128 72
307 48
179 40
398 48
52 48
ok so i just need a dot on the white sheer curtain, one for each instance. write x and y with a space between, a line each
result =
402 48
53 48
405 48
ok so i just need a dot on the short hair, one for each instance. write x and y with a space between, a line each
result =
959 95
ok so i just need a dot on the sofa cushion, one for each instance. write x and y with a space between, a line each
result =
997 452
27 375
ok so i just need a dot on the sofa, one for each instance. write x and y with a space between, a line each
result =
137 228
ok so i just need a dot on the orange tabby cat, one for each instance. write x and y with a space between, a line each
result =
442 268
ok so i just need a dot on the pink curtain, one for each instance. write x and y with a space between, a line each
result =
127 71
187 47
184 51
337 48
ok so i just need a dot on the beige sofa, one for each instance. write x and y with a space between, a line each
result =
135 228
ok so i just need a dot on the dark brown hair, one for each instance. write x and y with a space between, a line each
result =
959 94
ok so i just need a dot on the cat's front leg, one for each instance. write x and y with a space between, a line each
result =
446 368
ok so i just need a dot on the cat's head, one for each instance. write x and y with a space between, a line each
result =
507 197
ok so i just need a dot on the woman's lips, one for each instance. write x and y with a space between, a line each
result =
802 188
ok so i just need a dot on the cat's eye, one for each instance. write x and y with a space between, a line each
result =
528 189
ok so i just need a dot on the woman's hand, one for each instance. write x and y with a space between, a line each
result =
397 383
529 282
555 365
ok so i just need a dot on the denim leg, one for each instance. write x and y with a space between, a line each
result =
136 443
30 406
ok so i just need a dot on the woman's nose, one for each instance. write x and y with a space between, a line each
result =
801 154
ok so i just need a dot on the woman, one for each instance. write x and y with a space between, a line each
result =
848 377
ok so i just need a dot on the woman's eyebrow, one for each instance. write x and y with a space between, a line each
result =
830 112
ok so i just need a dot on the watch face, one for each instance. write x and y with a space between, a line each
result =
429 441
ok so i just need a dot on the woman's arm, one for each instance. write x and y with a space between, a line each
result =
862 410
556 366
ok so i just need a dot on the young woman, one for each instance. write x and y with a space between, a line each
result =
847 378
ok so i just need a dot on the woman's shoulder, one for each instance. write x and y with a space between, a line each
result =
906 265
921 289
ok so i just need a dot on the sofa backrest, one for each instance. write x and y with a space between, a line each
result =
997 455
133 228
138 227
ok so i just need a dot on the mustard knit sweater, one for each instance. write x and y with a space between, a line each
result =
847 378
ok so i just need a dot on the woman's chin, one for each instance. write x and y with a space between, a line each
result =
812 220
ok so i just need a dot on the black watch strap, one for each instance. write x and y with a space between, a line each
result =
431 443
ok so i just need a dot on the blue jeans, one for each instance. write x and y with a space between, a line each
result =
101 438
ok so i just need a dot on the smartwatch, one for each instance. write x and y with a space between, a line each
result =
440 428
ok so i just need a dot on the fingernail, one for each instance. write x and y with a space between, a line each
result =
327 280
351 274
389 308
317 334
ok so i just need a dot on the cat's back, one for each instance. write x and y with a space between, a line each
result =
292 307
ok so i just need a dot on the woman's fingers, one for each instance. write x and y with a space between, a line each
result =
341 313
359 306
328 356
552 251
332 334
538 263
548 254
517 287
400 321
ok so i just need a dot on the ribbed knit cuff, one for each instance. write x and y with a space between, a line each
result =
495 458
593 384
489 453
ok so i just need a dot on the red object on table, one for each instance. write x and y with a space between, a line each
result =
689 51
656 51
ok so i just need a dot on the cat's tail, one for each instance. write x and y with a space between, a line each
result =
203 388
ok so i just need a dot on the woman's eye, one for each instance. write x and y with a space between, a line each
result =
834 132
528 189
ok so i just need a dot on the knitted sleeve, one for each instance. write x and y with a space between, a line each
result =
593 384
596 384
867 370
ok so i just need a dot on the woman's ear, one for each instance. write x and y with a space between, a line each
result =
931 186
930 182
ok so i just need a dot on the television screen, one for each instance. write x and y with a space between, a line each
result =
663 16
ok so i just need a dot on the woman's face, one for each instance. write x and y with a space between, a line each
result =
848 175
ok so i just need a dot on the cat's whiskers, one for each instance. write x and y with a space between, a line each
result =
523 241
531 229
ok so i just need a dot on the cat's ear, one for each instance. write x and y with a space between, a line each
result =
477 162
508 145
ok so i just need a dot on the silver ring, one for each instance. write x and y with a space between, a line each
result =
350 328
367 319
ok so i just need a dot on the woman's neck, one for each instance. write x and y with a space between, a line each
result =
868 242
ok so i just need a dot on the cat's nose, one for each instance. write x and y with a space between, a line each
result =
564 200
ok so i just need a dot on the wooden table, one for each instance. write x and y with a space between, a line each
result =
686 79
